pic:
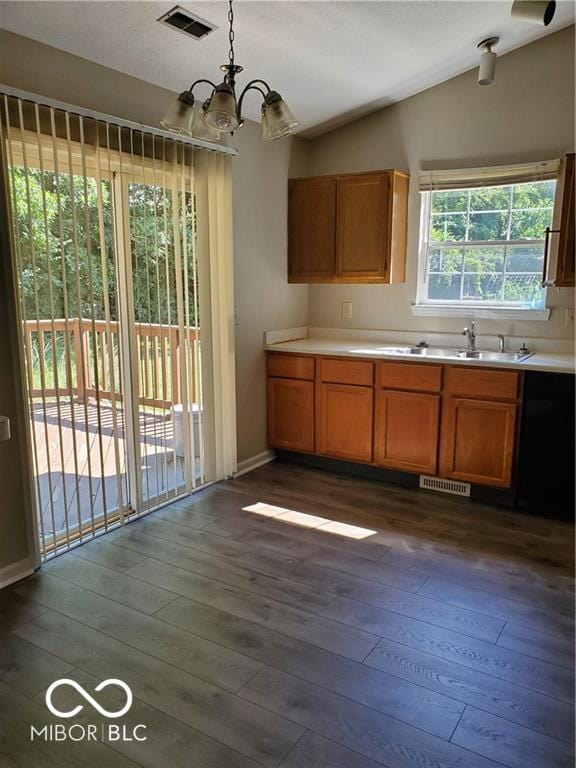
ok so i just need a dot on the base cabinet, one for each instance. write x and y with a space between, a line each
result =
406 427
451 421
345 421
291 414
478 441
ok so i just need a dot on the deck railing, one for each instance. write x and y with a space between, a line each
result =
80 358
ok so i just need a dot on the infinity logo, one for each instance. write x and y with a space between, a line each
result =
85 695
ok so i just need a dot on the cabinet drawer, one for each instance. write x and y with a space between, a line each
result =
415 377
359 372
488 384
290 366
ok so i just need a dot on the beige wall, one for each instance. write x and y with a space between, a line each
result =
264 300
527 114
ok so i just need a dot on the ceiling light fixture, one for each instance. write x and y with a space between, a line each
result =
536 11
487 61
221 112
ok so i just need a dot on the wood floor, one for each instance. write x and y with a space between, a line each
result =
301 619
80 454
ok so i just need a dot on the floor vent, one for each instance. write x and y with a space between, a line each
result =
188 23
445 486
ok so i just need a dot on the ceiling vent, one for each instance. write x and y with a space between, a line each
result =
183 21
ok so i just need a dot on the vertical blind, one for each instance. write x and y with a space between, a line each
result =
122 248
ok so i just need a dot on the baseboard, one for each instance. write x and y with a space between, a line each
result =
16 571
254 462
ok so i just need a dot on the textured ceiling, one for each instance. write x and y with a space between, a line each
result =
332 61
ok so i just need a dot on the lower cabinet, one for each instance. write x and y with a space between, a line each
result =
345 421
291 414
406 428
449 421
478 441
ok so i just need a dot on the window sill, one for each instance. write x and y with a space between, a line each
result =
495 313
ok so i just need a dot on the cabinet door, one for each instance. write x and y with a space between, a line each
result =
345 418
406 431
311 230
291 414
565 273
362 226
477 442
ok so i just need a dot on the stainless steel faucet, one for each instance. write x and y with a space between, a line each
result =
470 336
501 343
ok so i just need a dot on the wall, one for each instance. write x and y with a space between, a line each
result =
527 114
264 299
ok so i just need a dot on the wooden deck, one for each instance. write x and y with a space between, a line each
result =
67 480
293 618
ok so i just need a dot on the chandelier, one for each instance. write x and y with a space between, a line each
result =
221 112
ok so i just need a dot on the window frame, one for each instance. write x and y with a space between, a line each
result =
425 306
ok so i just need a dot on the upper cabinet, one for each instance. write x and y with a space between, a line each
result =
348 228
312 229
565 271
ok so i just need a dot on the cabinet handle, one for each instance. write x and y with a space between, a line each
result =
545 282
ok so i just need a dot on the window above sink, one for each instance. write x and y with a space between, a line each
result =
483 241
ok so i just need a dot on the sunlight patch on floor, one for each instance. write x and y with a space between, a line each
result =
323 524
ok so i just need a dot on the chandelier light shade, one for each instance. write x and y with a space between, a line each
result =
200 128
280 121
221 112
181 116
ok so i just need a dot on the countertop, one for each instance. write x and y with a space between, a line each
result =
554 363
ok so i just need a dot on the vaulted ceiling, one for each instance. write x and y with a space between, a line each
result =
332 61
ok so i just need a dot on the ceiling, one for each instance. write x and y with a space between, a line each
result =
332 61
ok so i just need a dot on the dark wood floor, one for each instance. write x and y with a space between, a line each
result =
426 632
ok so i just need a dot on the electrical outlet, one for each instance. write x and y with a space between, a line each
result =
346 311
569 318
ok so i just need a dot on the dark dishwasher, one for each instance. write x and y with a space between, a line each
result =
546 456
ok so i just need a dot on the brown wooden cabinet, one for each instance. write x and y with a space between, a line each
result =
345 420
454 421
312 229
478 435
406 427
478 440
566 266
348 228
362 226
291 414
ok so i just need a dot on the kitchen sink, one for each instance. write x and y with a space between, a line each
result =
505 357
479 354
450 354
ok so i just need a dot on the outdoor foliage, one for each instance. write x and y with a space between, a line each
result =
490 267
67 255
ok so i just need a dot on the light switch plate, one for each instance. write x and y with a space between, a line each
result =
346 311
569 318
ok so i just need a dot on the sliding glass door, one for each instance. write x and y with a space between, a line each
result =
165 333
104 246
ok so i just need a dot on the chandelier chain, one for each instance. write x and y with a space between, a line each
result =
231 33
